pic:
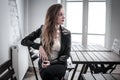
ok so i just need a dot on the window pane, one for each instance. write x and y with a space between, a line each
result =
97 17
74 0
97 0
74 16
76 38
96 40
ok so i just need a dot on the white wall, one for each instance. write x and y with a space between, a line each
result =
115 20
4 31
25 28
6 34
5 27
36 12
20 6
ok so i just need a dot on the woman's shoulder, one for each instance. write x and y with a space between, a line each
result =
39 28
65 30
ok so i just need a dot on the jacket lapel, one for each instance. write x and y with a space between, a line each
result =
62 41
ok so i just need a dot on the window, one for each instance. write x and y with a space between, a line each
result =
74 20
86 19
96 23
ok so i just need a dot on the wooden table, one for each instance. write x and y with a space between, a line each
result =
94 48
87 58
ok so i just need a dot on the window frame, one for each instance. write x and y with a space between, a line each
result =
85 20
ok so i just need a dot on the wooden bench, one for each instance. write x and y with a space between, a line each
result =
100 76
7 71
70 66
33 56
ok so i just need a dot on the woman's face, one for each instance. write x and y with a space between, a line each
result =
60 17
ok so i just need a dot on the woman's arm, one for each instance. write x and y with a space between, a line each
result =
29 40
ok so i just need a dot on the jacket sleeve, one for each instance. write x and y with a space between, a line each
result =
29 39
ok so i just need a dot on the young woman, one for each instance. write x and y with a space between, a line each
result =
55 44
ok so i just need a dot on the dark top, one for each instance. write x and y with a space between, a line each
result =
64 52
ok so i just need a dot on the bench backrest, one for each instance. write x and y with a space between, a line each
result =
116 46
7 71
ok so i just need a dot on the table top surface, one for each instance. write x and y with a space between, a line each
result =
79 47
95 57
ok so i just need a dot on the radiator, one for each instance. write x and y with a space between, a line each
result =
20 60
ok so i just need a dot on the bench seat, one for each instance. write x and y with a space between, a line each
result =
100 76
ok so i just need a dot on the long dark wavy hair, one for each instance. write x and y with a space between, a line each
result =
49 30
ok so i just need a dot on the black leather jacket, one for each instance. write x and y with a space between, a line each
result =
64 52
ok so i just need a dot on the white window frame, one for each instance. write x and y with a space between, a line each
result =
85 20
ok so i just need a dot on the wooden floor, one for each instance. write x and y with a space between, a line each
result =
30 75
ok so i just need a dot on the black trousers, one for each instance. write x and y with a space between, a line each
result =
53 72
